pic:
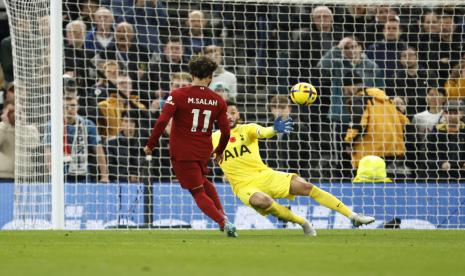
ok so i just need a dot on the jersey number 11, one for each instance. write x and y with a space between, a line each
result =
195 119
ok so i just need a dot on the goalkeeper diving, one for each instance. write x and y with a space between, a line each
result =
257 185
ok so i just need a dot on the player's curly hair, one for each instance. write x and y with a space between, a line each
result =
202 67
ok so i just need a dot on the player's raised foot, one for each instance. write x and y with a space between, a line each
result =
308 229
230 230
359 219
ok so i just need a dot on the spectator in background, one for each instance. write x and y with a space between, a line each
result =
377 126
425 38
70 12
87 10
422 124
81 142
444 51
124 151
112 108
455 85
451 40
411 82
106 84
101 35
242 28
427 28
6 59
117 6
13 131
7 143
221 74
354 21
8 95
172 60
347 58
308 48
70 90
132 57
386 52
177 80
425 121
313 44
374 31
197 36
430 23
345 61
77 59
87 108
446 145
285 151
222 89
149 19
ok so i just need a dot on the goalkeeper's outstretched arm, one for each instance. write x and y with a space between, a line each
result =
279 126
266 132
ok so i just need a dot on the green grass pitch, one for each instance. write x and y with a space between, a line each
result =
274 252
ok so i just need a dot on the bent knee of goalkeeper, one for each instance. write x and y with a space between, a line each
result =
260 202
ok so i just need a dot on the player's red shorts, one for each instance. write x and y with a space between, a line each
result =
190 174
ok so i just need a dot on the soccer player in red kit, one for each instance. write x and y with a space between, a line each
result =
194 109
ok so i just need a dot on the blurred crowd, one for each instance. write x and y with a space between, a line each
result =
391 83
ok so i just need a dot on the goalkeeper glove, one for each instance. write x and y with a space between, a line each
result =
285 126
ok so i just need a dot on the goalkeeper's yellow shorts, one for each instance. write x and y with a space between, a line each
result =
276 184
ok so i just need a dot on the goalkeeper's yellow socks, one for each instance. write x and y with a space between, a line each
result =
284 213
328 200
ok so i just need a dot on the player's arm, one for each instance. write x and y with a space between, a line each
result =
223 124
279 126
260 132
168 110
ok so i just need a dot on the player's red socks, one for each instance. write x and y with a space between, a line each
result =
207 206
211 192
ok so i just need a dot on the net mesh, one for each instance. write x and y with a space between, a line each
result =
122 57
30 37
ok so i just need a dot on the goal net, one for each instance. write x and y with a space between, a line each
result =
30 39
390 78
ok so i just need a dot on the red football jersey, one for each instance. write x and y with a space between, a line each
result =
194 109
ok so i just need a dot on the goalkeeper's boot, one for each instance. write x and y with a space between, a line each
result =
359 220
308 229
230 230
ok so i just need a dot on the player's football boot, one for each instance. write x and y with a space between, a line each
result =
230 230
226 220
359 220
308 229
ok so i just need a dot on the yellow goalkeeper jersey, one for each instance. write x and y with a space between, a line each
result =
242 160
